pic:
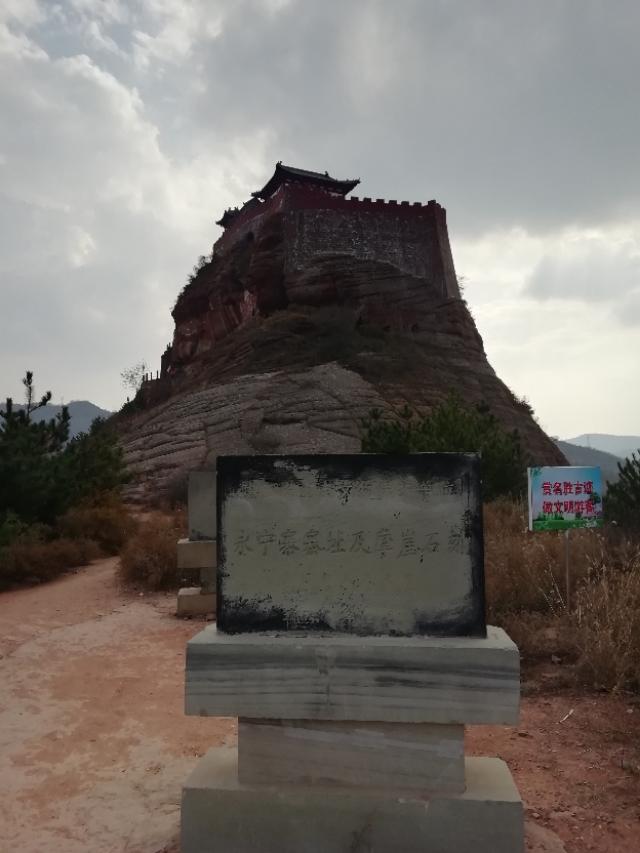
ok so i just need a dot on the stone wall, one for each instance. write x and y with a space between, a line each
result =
249 221
417 245
411 237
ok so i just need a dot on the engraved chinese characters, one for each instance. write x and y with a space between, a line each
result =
358 544
380 542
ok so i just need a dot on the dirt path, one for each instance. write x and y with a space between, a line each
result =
94 744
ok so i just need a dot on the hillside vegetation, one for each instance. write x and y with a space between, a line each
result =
59 496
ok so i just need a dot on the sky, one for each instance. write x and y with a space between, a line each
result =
128 126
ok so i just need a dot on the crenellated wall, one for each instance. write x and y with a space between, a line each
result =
411 237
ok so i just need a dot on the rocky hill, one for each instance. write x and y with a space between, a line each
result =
281 351
607 462
82 414
621 446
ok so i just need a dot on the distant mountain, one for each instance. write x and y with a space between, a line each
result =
82 413
607 462
619 445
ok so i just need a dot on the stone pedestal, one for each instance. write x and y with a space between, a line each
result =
199 557
352 645
197 553
351 744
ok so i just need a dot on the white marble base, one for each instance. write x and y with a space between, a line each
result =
417 757
457 680
219 813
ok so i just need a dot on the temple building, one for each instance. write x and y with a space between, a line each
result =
284 177
301 239
319 218
314 307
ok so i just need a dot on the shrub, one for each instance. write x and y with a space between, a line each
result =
29 454
42 473
149 558
30 562
623 497
108 524
12 528
451 426
90 466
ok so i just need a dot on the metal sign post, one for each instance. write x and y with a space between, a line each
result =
566 567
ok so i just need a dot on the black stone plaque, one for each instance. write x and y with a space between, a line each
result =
361 544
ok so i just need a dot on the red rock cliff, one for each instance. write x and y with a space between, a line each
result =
306 317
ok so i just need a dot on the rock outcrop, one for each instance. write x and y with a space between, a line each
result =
284 342
312 411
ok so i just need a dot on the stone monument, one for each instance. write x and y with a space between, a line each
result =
351 644
197 553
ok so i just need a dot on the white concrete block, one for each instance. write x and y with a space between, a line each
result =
343 677
219 813
397 756
208 579
193 601
196 555
201 512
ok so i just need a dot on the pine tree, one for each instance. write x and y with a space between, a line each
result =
42 473
449 427
28 452
622 503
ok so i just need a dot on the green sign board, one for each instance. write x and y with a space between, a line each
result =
564 497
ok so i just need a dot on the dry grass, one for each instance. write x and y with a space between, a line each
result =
33 562
526 571
109 524
149 558
607 627
598 628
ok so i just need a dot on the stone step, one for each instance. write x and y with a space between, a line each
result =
221 813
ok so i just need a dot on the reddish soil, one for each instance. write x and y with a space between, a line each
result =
94 744
581 777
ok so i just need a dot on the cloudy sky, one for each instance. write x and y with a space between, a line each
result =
127 126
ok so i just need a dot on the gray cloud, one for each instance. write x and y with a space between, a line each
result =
128 126
588 270
507 112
